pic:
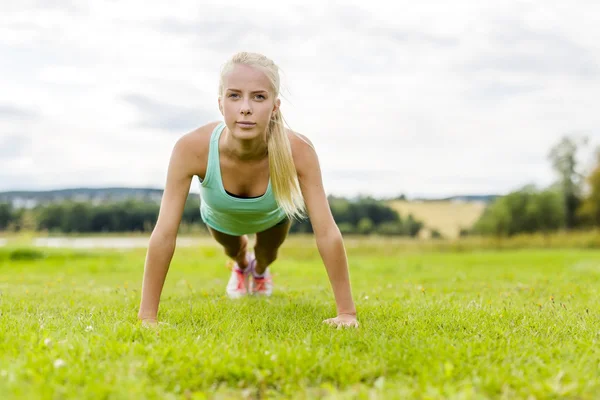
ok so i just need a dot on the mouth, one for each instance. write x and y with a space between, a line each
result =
246 124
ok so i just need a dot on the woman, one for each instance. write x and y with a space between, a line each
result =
256 177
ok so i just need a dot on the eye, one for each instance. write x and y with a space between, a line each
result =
260 96
232 94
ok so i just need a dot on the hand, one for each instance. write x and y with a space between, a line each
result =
343 320
149 323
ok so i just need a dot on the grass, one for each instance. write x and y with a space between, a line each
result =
434 324
445 216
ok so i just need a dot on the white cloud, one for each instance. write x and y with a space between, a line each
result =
420 98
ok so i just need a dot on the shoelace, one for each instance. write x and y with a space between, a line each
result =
240 282
261 282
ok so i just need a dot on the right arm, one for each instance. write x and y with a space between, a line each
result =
161 246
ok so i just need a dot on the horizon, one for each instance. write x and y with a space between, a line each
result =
100 188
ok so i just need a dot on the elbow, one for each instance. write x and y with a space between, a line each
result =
331 234
163 239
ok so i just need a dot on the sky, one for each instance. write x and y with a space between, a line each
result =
419 98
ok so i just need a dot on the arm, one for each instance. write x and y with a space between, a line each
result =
161 246
327 234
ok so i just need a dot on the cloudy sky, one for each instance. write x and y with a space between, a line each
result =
423 98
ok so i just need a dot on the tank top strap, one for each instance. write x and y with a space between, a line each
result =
213 168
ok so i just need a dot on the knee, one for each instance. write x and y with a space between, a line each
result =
266 257
237 249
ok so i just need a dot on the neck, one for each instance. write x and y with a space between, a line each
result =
244 150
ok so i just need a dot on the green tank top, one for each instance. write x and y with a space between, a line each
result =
229 214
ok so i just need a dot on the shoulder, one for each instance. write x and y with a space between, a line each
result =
192 148
196 140
303 152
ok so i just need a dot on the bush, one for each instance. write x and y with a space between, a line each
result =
435 234
524 211
365 226
25 254
346 228
391 229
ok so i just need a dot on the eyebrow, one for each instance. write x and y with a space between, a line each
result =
255 91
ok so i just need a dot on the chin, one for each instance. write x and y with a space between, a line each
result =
247 133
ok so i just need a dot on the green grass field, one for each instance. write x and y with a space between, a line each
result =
434 324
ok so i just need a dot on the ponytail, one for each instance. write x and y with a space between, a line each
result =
284 177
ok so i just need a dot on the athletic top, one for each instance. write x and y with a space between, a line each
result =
231 214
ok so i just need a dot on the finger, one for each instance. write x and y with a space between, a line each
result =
350 324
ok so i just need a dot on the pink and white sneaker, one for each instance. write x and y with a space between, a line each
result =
239 281
262 285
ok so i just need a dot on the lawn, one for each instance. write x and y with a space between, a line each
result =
434 324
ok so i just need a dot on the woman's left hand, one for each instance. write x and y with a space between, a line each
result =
343 320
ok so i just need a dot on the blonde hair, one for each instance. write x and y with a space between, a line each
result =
284 177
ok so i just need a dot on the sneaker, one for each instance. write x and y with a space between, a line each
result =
239 280
262 285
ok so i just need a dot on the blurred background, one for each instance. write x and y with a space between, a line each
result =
430 119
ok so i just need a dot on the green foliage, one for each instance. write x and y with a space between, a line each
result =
346 228
8 216
365 216
524 211
560 206
25 254
362 216
353 211
392 228
589 211
435 234
365 226
79 217
412 226
564 160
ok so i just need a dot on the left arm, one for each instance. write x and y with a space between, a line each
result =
327 234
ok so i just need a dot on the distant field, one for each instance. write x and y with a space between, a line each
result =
445 216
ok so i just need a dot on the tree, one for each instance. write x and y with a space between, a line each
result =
564 160
527 210
412 226
6 215
589 210
365 226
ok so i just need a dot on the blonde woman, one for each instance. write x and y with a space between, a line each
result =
256 176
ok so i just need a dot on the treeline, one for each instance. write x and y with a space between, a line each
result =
366 216
360 216
571 203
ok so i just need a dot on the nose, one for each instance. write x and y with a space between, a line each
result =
245 107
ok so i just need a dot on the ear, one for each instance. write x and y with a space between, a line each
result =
276 105
220 106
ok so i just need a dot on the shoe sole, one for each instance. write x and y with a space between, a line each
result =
236 295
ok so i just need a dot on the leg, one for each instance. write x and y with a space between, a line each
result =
268 243
235 246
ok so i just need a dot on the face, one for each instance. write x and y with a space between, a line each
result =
247 102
